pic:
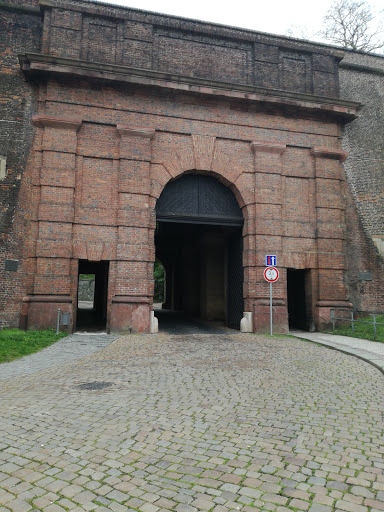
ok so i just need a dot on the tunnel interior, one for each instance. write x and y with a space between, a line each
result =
199 278
198 240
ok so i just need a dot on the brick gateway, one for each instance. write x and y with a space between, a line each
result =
125 103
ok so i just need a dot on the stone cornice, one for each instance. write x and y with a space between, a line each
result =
336 154
135 131
268 147
34 65
65 123
48 298
25 9
371 70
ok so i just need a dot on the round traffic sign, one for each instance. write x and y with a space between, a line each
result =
271 274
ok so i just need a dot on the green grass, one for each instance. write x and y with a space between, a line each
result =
15 343
364 331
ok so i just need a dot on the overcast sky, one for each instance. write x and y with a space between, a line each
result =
275 16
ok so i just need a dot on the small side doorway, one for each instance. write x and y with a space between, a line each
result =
92 295
299 299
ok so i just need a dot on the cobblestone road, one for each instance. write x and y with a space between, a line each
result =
65 350
195 423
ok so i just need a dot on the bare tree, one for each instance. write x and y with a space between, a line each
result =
352 24
300 32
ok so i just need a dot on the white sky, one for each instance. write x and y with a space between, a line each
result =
274 16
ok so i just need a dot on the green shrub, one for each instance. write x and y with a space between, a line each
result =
159 276
15 343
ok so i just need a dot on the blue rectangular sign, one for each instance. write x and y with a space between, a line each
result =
270 260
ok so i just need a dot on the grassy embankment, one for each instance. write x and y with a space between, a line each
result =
15 343
362 330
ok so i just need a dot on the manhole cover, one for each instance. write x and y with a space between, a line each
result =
94 385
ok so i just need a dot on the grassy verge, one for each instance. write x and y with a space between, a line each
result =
15 343
362 330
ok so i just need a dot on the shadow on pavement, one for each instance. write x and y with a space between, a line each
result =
176 322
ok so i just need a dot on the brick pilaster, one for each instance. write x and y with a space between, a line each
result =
136 222
54 197
331 235
267 232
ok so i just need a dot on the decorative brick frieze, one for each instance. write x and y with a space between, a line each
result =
203 151
298 260
336 154
94 250
135 143
268 156
135 131
43 121
268 147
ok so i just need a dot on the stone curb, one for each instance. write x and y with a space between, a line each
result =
364 355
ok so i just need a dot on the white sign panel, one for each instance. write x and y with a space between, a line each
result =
271 274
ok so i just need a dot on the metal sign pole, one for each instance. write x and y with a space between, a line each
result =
270 306
271 274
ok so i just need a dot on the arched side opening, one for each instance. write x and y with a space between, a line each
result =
199 240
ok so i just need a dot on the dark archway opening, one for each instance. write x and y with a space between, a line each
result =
92 298
199 241
299 299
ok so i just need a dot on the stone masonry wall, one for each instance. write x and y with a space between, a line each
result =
362 80
20 28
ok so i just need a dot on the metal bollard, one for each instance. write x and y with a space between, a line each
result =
58 321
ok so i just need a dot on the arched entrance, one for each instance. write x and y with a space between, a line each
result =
199 241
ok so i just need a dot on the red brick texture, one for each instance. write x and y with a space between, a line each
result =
109 138
99 184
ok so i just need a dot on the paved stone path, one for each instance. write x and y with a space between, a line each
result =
65 350
195 423
371 351
173 322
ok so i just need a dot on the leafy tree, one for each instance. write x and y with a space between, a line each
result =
158 275
352 24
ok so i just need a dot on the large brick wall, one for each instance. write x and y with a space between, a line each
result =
113 35
128 101
20 28
106 156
